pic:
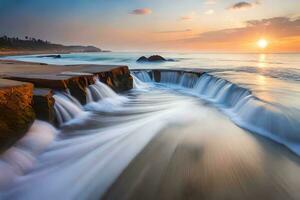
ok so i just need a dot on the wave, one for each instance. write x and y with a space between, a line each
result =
66 107
99 97
47 162
277 122
283 74
22 157
252 61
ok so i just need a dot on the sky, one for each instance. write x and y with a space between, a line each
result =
158 25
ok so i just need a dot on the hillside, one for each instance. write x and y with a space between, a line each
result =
10 44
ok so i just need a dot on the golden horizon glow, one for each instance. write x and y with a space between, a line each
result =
262 43
139 25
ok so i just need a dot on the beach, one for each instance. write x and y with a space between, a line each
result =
149 100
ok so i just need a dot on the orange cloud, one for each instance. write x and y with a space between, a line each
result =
190 16
141 11
280 31
176 31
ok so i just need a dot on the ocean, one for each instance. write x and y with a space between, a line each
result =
272 78
233 130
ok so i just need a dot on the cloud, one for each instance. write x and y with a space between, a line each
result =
188 17
243 5
278 27
176 31
209 12
141 11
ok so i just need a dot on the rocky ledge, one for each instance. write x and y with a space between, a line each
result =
16 112
155 74
26 91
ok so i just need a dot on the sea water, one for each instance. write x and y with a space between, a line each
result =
96 142
272 77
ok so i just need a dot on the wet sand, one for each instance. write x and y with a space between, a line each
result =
208 160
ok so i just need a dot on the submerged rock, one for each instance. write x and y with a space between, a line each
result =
50 56
154 58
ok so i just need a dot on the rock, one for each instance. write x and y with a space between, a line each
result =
154 58
42 80
119 79
155 74
50 56
19 103
77 86
142 59
75 83
171 60
16 112
43 105
75 78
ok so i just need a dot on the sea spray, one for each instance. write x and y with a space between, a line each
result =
101 97
66 108
21 158
138 84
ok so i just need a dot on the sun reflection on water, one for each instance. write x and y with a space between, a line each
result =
262 60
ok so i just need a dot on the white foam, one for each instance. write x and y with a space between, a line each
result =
21 158
270 120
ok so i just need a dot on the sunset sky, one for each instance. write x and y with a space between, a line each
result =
164 25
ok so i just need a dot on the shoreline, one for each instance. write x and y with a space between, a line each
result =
20 53
27 92
32 52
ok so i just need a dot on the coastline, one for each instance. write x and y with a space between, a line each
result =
26 52
187 156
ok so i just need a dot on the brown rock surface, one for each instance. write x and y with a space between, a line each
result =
16 113
43 104
118 79
156 73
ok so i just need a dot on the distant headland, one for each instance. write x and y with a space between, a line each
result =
28 45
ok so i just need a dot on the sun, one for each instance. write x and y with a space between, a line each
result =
262 43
